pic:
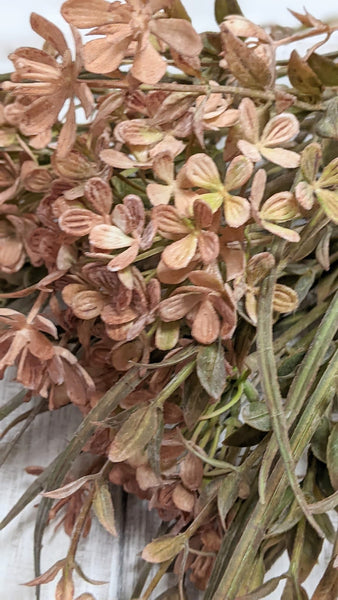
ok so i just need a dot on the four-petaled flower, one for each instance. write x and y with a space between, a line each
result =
48 84
190 234
279 208
208 306
324 189
202 172
278 131
128 30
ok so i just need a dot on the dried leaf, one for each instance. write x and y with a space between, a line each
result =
224 8
164 548
302 76
325 69
69 489
247 66
195 400
103 506
328 125
48 575
134 434
211 369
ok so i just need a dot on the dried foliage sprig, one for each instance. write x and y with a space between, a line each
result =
168 266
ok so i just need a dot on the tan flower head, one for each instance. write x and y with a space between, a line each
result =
202 172
207 305
48 83
277 132
127 30
323 189
279 208
192 235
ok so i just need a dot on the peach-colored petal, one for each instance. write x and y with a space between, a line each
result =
123 260
148 66
179 34
109 237
112 316
138 132
249 120
87 304
177 306
280 129
208 245
236 210
117 159
283 232
78 221
305 194
202 214
99 194
49 32
279 156
238 172
168 222
179 254
257 189
86 13
159 194
163 167
206 324
166 275
101 56
67 134
205 279
280 207
202 172
249 150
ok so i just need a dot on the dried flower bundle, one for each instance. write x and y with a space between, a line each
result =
169 266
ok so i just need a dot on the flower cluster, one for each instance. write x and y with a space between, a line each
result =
138 241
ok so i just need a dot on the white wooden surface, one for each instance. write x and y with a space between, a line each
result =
101 556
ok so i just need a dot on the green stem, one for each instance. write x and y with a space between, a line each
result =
269 380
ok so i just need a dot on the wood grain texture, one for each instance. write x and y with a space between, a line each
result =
101 556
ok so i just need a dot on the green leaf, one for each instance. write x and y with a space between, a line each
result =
195 400
325 69
304 284
263 590
223 8
134 434
328 125
211 369
177 11
103 506
320 439
302 76
332 456
257 416
164 548
227 494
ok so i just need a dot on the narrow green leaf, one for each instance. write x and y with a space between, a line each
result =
211 369
263 590
223 8
227 494
12 404
332 456
195 400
